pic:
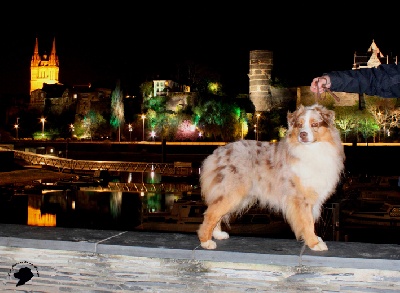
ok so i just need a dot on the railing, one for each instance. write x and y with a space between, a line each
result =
148 187
177 168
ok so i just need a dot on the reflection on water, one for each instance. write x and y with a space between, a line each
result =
95 207
115 203
133 202
147 202
128 211
35 216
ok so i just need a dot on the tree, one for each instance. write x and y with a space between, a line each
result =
186 131
367 127
384 111
345 119
117 109
219 116
90 123
146 89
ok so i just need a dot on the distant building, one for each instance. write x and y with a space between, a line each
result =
163 87
373 58
44 68
178 95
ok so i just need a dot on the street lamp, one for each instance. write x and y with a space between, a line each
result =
71 128
143 117
43 120
258 116
130 132
16 127
16 130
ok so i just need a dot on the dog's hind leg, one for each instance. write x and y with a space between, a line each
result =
211 225
218 233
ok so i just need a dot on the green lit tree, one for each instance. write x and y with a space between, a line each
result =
367 127
219 117
146 89
91 122
345 119
117 109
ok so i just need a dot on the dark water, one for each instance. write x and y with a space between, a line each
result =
94 206
158 205
127 211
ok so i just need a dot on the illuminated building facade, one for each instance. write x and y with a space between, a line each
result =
44 68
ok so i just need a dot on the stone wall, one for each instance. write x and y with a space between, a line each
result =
266 97
261 64
306 97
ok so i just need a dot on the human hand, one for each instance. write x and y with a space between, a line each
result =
319 84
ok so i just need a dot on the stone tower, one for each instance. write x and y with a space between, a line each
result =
260 79
44 69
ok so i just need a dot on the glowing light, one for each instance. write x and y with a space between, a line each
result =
16 130
43 120
143 117
130 132
256 126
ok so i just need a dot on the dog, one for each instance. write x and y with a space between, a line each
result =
294 176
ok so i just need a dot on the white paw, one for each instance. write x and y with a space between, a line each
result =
220 235
209 244
321 246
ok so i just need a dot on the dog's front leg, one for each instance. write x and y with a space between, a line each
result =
300 217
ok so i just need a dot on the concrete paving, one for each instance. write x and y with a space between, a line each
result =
83 260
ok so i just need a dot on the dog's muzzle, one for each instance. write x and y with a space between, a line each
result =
305 136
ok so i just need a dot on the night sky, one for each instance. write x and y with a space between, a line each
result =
133 44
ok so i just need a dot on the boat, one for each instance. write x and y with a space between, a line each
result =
376 214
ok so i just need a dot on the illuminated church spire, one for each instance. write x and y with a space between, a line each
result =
44 69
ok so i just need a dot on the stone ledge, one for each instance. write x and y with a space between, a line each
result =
253 250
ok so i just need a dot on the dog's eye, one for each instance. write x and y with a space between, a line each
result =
315 124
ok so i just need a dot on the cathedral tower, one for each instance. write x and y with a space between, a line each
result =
44 69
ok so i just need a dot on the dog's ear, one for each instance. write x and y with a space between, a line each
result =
291 117
327 115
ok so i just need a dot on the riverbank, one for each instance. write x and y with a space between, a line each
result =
29 175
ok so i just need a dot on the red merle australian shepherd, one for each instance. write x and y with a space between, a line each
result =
294 176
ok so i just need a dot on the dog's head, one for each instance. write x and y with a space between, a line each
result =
309 124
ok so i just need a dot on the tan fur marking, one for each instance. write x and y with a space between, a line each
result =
218 178
217 200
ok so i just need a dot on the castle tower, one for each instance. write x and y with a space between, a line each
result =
44 69
260 79
374 60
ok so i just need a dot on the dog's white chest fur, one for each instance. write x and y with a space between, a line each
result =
317 167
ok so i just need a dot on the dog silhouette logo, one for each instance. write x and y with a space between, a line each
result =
23 271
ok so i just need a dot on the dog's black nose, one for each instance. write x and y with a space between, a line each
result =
303 134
